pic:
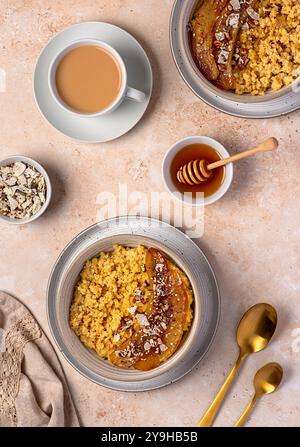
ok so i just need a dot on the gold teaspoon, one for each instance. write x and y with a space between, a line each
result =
254 332
266 381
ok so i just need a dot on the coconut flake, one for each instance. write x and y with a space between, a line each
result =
223 57
132 310
163 347
142 319
13 204
159 267
19 168
253 14
117 337
235 5
233 20
220 36
147 346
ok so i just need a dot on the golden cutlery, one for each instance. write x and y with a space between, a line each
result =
198 171
266 381
253 334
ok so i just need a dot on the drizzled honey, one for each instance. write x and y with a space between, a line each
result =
201 152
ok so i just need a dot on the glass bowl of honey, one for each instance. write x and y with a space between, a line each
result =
189 186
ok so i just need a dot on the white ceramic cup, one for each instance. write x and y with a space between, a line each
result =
125 91
173 151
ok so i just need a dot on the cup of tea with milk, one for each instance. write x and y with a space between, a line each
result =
89 78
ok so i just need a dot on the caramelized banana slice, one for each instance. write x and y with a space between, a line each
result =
157 340
226 31
177 302
203 36
215 29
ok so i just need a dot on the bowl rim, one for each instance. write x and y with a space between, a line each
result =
113 383
31 162
175 148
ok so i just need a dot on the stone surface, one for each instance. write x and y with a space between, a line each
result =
251 237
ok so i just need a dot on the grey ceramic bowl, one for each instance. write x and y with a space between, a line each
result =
39 168
132 231
272 104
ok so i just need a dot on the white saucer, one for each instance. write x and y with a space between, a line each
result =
104 128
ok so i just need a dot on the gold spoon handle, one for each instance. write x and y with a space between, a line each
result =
212 411
271 144
245 415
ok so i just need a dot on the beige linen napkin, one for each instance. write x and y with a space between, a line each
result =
33 389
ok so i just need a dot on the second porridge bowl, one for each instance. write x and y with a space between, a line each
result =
273 103
131 232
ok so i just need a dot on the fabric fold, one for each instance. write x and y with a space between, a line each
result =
34 391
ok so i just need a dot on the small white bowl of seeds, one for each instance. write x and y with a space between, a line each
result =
25 190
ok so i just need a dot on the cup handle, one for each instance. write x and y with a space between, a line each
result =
135 95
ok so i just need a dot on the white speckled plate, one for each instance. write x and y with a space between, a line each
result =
246 106
132 231
103 128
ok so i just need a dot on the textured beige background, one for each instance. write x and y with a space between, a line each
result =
251 236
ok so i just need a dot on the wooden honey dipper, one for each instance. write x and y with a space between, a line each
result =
198 171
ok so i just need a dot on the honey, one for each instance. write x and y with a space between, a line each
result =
201 152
